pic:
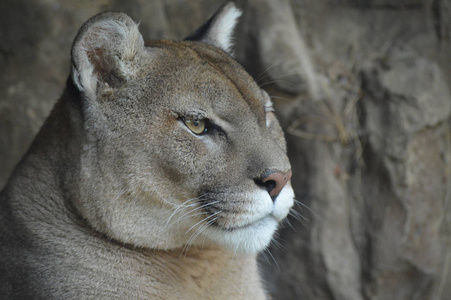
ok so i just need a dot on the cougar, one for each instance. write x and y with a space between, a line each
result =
160 173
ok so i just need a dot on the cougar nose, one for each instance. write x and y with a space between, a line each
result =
274 182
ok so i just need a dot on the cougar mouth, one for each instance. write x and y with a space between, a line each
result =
243 222
233 211
239 227
247 238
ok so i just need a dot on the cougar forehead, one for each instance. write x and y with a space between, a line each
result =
202 68
193 79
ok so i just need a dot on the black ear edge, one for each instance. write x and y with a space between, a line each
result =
201 32
218 30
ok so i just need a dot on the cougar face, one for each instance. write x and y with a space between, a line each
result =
182 147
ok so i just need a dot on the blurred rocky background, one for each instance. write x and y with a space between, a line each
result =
362 88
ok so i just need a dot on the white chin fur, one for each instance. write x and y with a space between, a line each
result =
250 239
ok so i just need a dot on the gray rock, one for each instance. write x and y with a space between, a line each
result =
405 114
273 49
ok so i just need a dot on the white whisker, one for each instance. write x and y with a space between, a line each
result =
270 254
300 204
187 214
184 204
297 216
289 224
275 81
263 75
281 98
198 231
212 215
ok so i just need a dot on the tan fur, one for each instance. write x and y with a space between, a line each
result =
117 199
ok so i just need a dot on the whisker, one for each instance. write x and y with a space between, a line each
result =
168 202
192 215
270 254
184 204
302 205
198 231
289 74
297 216
263 254
275 81
177 209
289 224
121 192
278 244
281 98
300 215
187 214
261 77
212 215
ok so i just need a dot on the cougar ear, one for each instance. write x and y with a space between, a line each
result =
218 30
104 51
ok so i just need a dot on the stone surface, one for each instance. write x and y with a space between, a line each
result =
405 113
268 25
362 88
381 227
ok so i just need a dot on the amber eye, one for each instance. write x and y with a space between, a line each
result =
196 126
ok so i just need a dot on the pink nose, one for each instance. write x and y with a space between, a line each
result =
275 181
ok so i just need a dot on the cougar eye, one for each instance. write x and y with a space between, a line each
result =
196 126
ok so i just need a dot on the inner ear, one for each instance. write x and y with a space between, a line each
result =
218 30
104 51
99 61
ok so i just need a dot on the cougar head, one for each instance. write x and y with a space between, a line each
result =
181 146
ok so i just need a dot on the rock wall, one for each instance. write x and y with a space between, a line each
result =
362 88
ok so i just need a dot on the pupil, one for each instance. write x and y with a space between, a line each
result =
196 123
